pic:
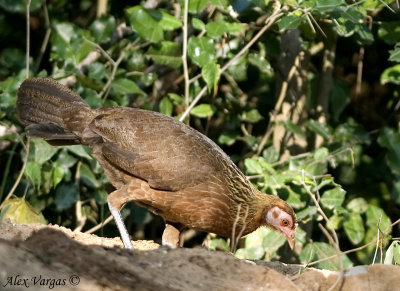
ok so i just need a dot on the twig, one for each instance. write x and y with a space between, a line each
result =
100 225
335 239
269 22
46 36
80 219
21 172
184 52
28 37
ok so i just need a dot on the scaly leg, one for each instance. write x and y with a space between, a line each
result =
115 201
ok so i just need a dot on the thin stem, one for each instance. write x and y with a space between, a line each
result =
21 172
269 22
100 225
28 37
46 36
184 52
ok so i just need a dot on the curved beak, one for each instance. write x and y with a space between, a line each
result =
290 236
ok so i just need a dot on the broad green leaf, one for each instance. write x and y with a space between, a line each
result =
126 86
354 228
211 74
66 196
328 5
144 24
201 50
391 75
65 30
196 6
395 54
251 116
198 24
165 20
319 128
166 53
289 22
103 28
376 215
364 35
392 254
42 150
253 253
228 137
390 32
306 213
219 244
390 139
320 250
253 166
294 199
57 174
80 151
101 197
33 171
21 211
166 106
291 127
202 111
270 155
358 205
19 6
87 176
333 198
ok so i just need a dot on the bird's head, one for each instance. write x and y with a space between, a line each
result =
280 216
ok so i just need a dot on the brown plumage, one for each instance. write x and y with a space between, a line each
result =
155 161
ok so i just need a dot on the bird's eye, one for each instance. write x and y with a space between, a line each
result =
285 222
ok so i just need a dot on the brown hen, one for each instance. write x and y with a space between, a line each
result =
157 162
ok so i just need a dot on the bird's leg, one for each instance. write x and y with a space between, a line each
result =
115 201
170 236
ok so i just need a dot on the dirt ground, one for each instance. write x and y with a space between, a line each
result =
38 257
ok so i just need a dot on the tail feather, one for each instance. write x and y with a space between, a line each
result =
51 111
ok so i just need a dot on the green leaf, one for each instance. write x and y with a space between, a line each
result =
126 86
198 24
87 177
42 150
306 213
354 228
202 111
327 5
390 139
333 198
390 32
251 116
219 244
395 54
166 53
166 106
290 126
165 20
391 75
339 98
211 74
144 24
228 137
201 50
66 196
254 253
80 151
253 166
57 174
33 171
65 30
320 250
319 128
376 214
196 6
358 205
21 211
289 22
103 28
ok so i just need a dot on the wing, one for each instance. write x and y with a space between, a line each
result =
166 153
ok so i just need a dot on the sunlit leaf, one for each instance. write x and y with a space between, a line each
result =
211 74
202 111
21 211
333 198
354 228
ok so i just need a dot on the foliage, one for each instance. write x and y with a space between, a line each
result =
309 110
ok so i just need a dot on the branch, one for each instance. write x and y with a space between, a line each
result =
268 23
184 52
